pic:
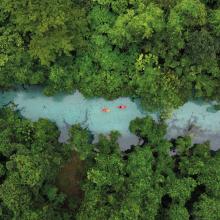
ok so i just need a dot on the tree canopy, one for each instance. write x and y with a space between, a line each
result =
39 181
149 182
30 158
163 52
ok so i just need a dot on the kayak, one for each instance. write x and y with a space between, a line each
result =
122 106
105 110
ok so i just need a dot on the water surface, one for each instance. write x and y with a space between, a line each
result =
66 110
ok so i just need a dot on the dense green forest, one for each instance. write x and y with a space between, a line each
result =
161 51
146 182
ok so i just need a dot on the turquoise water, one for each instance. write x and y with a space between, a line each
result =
206 123
74 108
200 115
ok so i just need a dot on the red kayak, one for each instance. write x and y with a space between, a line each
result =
122 106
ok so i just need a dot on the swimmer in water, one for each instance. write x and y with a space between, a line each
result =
105 110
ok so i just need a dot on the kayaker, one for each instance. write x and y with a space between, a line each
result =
105 110
122 106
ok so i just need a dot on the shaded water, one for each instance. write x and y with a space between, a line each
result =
66 110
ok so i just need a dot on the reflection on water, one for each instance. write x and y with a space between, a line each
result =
68 109
213 108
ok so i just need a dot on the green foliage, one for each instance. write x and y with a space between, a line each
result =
180 189
177 212
207 208
215 21
133 27
34 34
163 52
147 182
186 14
156 89
143 182
148 129
210 177
30 158
80 141
50 26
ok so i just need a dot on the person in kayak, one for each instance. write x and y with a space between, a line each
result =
122 106
105 110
